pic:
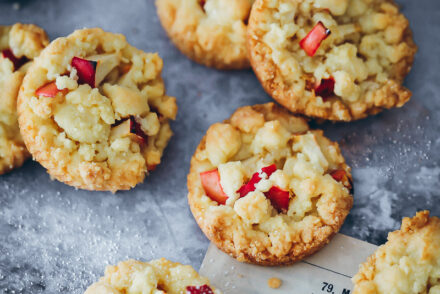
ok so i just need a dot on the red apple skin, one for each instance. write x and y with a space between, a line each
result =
151 167
132 129
312 41
205 289
126 68
211 185
49 90
135 128
279 198
326 88
18 62
86 70
338 175
250 186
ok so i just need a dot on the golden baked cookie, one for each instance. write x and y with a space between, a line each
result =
19 45
334 59
158 276
409 263
93 111
266 189
210 32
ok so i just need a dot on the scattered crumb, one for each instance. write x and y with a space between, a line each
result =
274 283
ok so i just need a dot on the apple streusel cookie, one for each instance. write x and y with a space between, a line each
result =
158 276
211 32
19 45
93 111
409 263
266 189
334 59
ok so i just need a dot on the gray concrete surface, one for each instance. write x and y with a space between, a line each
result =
55 239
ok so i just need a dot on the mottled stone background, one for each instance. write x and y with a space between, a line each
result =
54 238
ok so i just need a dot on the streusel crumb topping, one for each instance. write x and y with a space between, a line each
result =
356 67
19 45
157 277
212 32
282 189
408 263
94 111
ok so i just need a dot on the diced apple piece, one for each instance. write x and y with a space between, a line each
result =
269 170
126 68
18 62
202 3
122 129
338 175
130 128
105 64
325 88
126 101
205 289
250 186
86 70
314 38
151 167
279 198
137 130
211 185
49 90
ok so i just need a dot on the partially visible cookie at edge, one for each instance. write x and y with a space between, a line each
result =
339 60
266 189
19 45
159 276
408 263
210 32
94 112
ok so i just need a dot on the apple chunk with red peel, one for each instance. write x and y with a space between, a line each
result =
340 175
279 198
325 88
202 4
211 185
18 62
49 90
130 128
105 64
86 70
255 179
314 38
205 289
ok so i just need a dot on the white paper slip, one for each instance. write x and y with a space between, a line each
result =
328 271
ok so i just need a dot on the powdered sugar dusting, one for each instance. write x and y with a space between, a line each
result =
374 203
58 237
55 239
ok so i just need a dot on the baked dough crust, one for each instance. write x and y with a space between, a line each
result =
72 134
249 228
24 40
368 53
408 263
210 32
157 276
